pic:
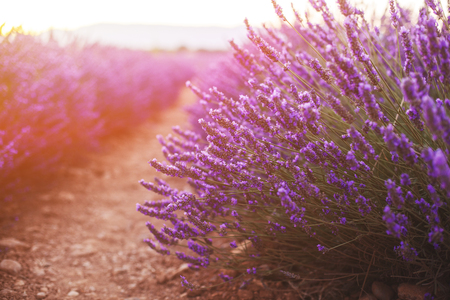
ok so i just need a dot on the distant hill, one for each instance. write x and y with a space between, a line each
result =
147 37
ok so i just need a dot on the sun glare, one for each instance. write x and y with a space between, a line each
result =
37 16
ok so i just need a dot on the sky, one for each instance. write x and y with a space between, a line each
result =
40 15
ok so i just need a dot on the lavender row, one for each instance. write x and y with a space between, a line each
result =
57 99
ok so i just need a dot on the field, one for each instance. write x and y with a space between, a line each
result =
312 163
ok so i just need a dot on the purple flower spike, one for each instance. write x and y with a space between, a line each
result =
407 46
225 277
436 236
350 25
395 194
322 249
186 283
436 119
278 10
438 167
405 179
396 223
407 252
394 14
360 144
399 146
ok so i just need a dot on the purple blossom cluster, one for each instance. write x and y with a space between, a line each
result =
326 144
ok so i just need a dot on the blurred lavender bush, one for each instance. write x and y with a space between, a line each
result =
56 99
322 155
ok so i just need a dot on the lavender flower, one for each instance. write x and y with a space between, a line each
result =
187 284
406 251
399 145
278 10
322 249
438 167
407 46
394 14
405 179
396 223
395 194
225 277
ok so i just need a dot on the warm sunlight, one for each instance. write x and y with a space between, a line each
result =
41 15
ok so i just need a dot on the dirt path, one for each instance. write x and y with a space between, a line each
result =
82 239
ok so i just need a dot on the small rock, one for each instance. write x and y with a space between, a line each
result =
7 292
122 270
229 272
245 295
408 291
19 282
178 272
66 196
161 278
132 286
41 295
46 264
265 294
35 248
47 211
39 272
242 247
288 296
368 297
10 266
82 250
194 293
73 294
44 289
382 291
46 197
13 243
259 283
92 295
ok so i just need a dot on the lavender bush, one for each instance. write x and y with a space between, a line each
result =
322 158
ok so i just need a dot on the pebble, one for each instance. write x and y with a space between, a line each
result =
122 270
82 250
194 293
6 292
408 291
265 294
41 295
73 294
178 272
10 266
161 278
19 282
368 297
242 247
39 272
66 196
13 243
245 295
382 291
132 286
